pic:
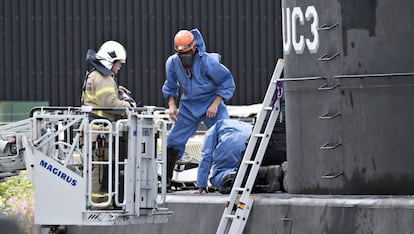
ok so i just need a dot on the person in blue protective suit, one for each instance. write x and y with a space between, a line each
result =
223 148
206 84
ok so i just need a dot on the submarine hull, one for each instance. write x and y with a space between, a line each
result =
349 89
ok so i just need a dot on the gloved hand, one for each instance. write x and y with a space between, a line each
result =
124 90
123 95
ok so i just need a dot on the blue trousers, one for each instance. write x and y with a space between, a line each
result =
184 128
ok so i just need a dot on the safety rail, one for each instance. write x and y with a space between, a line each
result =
56 146
118 129
104 128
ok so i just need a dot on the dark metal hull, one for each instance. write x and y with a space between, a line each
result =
354 139
350 102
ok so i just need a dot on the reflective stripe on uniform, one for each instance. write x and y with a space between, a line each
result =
90 97
108 89
100 113
100 127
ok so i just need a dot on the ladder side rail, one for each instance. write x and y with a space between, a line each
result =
260 153
239 178
224 222
118 129
258 127
251 146
242 212
237 225
261 117
247 157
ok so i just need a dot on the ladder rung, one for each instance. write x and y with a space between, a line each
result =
249 162
259 135
268 108
230 216
240 189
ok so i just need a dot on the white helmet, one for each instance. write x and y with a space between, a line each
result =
111 51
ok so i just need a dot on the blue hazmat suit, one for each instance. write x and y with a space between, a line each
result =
224 144
206 80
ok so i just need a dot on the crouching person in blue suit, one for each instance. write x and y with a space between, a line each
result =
224 145
223 149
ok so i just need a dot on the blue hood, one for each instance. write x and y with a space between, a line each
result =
199 41
201 46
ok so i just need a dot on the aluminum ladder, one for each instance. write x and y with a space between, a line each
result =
239 205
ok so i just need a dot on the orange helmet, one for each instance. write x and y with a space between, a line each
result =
183 41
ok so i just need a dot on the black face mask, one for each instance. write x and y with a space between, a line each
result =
187 58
